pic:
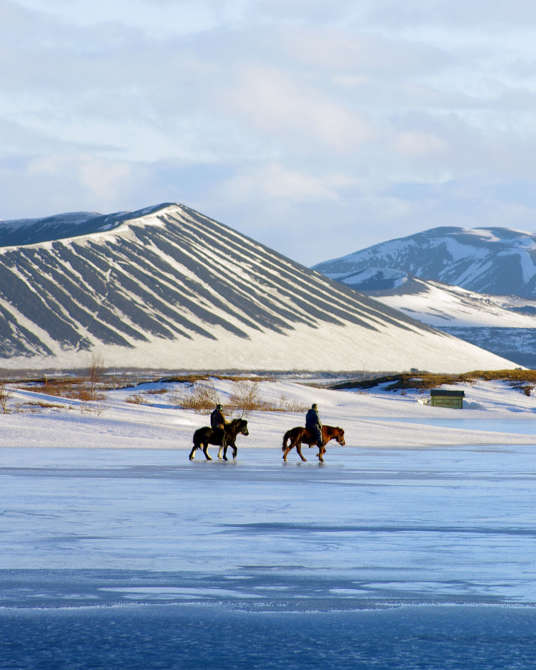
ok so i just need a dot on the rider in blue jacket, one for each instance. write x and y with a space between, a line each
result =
314 425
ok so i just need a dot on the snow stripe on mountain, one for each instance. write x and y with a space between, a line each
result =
167 287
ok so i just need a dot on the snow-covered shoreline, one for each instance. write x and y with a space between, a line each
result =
494 414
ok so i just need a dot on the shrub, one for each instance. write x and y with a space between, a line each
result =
245 396
286 405
94 376
135 399
4 397
44 405
202 397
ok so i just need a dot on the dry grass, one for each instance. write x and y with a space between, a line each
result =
202 397
86 389
523 380
44 405
287 405
142 399
4 397
94 377
135 399
246 397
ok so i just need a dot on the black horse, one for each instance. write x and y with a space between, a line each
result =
205 436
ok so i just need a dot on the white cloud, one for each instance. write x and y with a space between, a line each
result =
363 53
277 182
281 105
157 18
477 15
106 183
419 144
297 111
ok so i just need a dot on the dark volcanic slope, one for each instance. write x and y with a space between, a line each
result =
171 287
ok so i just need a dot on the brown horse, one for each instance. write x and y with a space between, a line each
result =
295 437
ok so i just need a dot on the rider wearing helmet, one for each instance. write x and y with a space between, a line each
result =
314 425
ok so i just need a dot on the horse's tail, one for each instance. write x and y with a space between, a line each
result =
286 438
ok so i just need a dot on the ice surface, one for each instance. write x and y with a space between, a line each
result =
410 548
371 528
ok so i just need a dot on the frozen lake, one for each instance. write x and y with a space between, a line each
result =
393 556
519 425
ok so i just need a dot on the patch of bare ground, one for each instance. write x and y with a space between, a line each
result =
520 379
37 406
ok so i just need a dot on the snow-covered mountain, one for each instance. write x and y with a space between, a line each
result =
167 287
497 261
440 305
502 324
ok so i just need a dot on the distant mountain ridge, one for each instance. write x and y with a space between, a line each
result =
496 261
167 287
19 232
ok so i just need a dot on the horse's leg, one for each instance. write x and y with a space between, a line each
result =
321 452
192 453
223 447
205 451
286 448
229 443
298 449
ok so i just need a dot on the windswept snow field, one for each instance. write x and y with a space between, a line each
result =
413 546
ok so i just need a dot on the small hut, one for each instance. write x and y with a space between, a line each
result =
442 398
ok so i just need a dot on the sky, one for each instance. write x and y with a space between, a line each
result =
317 128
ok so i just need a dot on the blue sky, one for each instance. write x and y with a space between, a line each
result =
316 128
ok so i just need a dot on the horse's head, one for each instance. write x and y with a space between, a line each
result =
239 426
339 436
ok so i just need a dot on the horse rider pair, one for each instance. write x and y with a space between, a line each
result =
312 423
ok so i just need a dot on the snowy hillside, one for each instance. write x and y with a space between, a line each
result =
440 305
167 287
498 261
506 326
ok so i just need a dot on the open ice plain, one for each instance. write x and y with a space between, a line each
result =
385 557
